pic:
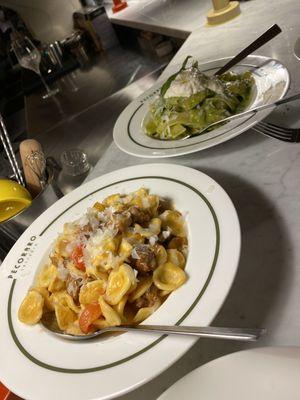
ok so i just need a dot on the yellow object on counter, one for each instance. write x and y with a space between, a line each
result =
13 198
223 11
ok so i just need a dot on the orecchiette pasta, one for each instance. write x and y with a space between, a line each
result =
64 299
173 221
145 312
56 284
175 257
168 276
90 291
46 296
160 254
143 285
31 309
115 265
111 316
46 276
64 316
121 305
120 282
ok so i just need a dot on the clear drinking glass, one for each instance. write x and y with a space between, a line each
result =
29 57
74 162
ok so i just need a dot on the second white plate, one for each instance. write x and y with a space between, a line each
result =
271 84
258 374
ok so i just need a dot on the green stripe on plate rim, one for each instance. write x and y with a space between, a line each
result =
157 341
179 147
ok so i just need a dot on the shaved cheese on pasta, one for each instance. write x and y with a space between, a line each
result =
98 259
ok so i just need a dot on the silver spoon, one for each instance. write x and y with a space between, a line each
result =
242 334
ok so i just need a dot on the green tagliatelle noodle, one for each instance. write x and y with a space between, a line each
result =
212 99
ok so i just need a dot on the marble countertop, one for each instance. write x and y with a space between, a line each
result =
176 18
261 175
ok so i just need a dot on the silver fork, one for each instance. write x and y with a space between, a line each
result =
253 111
291 135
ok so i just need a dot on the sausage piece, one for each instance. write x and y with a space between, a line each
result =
148 299
73 287
139 216
120 221
143 258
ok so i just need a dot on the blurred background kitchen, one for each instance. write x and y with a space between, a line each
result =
67 69
83 55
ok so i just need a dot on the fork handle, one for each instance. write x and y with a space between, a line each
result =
286 99
241 334
260 41
259 108
247 112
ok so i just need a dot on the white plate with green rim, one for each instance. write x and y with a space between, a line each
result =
258 374
36 364
271 84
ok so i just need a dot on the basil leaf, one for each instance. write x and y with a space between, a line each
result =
185 62
168 82
195 64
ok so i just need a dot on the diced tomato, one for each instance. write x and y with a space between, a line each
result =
4 392
88 316
77 257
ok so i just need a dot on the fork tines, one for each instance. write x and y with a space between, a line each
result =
278 132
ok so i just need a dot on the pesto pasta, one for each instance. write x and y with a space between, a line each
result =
189 101
115 265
